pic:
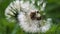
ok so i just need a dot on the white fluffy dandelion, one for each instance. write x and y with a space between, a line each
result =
29 17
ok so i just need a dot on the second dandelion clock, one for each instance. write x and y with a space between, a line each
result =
29 14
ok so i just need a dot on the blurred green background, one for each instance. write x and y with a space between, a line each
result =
52 11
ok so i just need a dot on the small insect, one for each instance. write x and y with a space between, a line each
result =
33 16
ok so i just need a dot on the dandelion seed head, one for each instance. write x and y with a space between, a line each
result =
28 16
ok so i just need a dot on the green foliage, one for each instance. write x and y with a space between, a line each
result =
52 11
